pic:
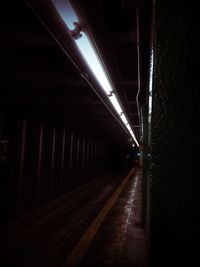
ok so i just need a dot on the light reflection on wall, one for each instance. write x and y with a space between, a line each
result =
151 85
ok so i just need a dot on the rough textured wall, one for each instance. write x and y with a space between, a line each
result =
174 190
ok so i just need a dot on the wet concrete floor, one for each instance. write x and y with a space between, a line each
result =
121 238
48 237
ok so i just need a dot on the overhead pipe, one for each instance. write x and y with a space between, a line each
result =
138 68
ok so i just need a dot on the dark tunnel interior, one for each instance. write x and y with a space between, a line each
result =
60 132
56 130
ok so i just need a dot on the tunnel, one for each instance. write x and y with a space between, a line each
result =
99 137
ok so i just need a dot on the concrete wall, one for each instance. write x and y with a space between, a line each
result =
174 190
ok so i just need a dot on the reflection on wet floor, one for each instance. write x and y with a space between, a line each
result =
49 239
121 239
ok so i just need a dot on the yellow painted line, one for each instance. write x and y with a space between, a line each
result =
82 246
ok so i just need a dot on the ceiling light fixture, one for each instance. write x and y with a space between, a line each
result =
90 55
115 103
129 128
123 118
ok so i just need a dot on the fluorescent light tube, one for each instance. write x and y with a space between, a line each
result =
115 103
132 134
92 59
66 12
123 118
88 52
84 44
129 128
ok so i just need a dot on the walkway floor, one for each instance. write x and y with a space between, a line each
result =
48 239
121 239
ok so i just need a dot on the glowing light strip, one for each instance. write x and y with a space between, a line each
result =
66 12
129 128
115 103
132 134
124 119
88 52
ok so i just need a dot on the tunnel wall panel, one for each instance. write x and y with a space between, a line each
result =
46 160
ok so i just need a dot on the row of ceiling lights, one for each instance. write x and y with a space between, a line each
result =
90 55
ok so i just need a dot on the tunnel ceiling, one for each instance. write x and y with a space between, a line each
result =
38 78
